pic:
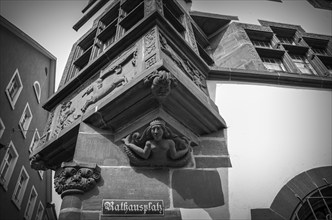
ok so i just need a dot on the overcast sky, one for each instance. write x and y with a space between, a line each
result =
50 22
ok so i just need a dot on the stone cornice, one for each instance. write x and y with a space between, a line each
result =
271 78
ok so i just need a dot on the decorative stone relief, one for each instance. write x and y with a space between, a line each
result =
74 176
149 62
161 83
150 48
100 89
159 4
46 134
191 36
150 42
151 5
184 65
157 147
116 74
67 115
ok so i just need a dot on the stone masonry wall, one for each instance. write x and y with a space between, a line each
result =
232 48
198 185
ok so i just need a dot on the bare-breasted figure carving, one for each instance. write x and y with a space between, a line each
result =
100 89
157 146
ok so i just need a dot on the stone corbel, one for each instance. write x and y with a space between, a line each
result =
157 146
76 178
37 163
161 83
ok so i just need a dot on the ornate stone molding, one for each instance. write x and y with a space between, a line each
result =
76 176
188 68
161 83
157 146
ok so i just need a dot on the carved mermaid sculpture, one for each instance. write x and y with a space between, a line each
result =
157 147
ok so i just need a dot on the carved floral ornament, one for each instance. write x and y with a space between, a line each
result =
157 146
74 176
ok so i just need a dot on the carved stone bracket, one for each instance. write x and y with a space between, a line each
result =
161 83
157 147
77 177
37 163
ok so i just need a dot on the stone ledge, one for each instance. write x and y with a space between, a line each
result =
171 214
211 146
212 162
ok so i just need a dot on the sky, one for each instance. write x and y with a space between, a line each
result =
50 22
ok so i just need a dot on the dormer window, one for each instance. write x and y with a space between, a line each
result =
260 38
273 64
287 40
174 15
329 68
320 51
303 64
285 35
258 43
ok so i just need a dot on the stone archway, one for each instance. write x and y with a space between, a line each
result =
296 190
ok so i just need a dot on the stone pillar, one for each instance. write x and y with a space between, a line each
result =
71 181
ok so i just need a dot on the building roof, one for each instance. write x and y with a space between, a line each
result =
12 28
210 23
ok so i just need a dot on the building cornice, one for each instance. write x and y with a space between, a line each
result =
270 78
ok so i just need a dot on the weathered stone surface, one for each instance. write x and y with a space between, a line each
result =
285 202
262 214
197 189
70 215
90 215
71 201
129 183
319 174
173 214
211 147
212 162
95 146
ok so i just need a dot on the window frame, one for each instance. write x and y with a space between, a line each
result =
261 43
13 100
22 128
42 212
30 206
2 127
22 189
37 89
32 144
298 60
6 179
277 61
41 174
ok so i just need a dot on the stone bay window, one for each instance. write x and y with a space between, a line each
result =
140 86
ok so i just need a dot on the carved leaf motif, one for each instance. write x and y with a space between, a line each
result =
81 178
